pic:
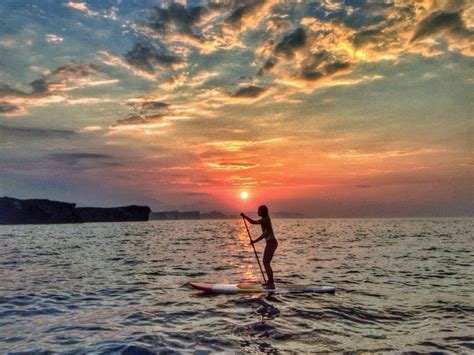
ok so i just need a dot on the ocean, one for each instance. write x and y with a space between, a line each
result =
401 285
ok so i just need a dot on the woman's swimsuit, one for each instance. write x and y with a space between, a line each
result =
267 229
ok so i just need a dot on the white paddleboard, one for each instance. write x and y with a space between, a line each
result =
247 287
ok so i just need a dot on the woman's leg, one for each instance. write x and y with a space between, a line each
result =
267 258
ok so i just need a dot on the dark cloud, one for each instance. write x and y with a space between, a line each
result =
181 18
134 119
63 74
249 91
154 105
175 17
322 64
13 132
242 8
367 35
6 108
146 56
334 67
288 43
40 86
311 74
75 69
74 158
440 21
291 41
268 65
6 91
80 156
145 112
149 105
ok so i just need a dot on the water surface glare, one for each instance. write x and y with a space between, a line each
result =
402 285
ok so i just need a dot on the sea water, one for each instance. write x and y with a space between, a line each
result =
402 285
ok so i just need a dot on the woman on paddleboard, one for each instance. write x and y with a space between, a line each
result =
272 244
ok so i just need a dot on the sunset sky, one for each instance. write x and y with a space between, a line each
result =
328 108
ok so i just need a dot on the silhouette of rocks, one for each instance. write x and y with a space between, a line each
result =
116 214
43 211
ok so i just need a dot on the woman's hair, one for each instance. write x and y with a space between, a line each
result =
263 211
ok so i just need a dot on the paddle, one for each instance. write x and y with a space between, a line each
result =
253 246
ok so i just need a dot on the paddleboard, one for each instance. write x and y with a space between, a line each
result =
247 287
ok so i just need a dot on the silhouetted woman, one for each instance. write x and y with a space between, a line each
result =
272 244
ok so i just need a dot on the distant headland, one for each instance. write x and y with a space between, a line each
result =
43 211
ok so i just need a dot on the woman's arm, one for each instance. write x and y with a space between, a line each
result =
251 221
258 239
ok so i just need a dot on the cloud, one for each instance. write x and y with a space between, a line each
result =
153 114
146 110
354 154
440 21
322 64
116 61
52 88
77 157
285 46
249 91
9 132
73 76
137 129
291 41
9 109
145 103
81 6
238 145
16 101
50 37
147 56
176 18
302 60
65 78
334 38
241 9
181 30
90 129
7 91
232 166
139 120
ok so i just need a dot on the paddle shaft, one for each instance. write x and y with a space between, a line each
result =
253 246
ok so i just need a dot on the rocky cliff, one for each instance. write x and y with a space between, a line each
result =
14 211
115 214
42 211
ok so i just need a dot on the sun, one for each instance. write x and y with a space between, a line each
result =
244 195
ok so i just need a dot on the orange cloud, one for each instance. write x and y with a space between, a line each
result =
81 6
232 166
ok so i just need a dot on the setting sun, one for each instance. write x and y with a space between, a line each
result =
244 195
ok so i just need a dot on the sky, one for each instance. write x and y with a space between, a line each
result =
329 108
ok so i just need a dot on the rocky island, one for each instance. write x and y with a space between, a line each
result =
43 211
